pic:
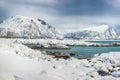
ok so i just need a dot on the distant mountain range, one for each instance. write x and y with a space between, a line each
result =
103 32
26 27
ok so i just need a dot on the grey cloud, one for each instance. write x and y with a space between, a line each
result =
63 14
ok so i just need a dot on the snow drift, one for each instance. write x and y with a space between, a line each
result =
18 62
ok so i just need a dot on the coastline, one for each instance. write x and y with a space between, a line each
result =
15 58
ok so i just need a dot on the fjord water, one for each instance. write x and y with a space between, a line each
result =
87 51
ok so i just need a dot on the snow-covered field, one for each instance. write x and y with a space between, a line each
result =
18 62
49 41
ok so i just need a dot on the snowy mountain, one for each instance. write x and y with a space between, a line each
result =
103 32
25 27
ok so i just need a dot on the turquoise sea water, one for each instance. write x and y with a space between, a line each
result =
85 51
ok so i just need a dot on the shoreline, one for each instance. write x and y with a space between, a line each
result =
35 64
39 48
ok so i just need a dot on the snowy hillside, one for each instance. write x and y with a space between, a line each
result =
103 32
25 27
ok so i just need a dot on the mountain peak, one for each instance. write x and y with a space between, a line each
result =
100 28
102 32
21 26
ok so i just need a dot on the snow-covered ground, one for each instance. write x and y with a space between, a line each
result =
51 41
18 62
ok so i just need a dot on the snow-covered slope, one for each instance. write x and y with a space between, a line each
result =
25 27
103 32
18 62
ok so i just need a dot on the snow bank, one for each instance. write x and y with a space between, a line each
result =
112 57
18 62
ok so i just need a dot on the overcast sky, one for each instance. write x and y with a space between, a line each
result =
65 14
